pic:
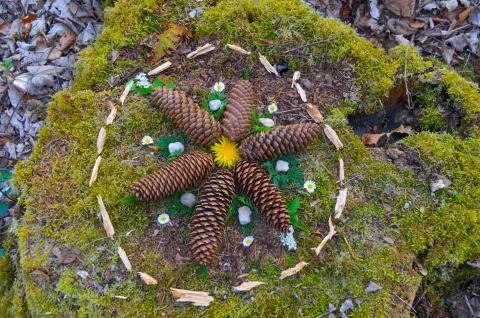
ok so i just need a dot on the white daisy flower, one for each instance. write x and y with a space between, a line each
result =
219 87
147 140
163 218
247 241
141 77
310 186
272 108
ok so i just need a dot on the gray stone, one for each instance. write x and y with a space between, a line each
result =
372 287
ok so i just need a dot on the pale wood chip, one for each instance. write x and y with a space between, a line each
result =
313 111
102 134
94 175
293 270
295 78
149 280
267 65
341 171
107 224
112 115
246 286
124 95
238 49
160 68
301 92
332 136
195 297
327 238
201 50
341 201
124 258
120 297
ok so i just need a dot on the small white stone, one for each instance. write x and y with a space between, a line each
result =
82 274
244 213
267 122
188 199
175 147
281 166
215 104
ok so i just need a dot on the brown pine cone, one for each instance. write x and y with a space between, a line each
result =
208 221
182 173
238 114
186 114
263 193
280 141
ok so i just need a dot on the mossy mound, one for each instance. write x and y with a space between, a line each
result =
61 218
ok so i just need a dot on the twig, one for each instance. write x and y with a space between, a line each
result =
469 305
407 92
310 44
403 301
350 249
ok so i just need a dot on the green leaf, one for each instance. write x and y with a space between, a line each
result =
6 175
171 86
292 207
157 83
129 200
202 271
246 74
3 209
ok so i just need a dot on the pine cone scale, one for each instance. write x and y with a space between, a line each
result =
238 114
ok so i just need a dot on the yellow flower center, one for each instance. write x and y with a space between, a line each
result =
310 186
225 152
248 241
163 218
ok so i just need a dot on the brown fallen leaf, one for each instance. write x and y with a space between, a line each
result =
67 39
125 92
5 27
267 65
238 49
160 68
341 201
327 238
195 297
333 137
94 175
26 30
417 24
124 258
267 41
66 255
301 92
246 286
292 271
102 134
28 18
149 280
107 224
374 139
462 16
314 113
54 54
201 50
168 40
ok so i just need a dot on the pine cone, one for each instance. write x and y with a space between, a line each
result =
209 218
258 187
238 114
280 141
182 173
196 122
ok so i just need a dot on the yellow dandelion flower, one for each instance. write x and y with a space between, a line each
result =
225 152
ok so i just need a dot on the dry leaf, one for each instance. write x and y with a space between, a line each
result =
28 18
374 139
238 49
293 270
195 297
112 115
301 92
332 136
102 134
5 27
149 280
341 201
201 50
417 24
160 68
295 78
327 238
462 16
267 65
341 171
124 258
54 54
246 286
313 111
107 224
124 95
404 130
67 39
93 177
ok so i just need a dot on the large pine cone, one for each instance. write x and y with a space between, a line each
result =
182 173
280 141
238 114
263 193
208 221
196 122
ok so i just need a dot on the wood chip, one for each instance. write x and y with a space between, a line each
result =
124 95
313 111
293 270
332 136
301 92
246 286
149 280
341 172
102 134
295 78
238 49
94 175
107 224
267 65
124 258
120 297
194 297
327 238
201 50
160 68
112 115
341 201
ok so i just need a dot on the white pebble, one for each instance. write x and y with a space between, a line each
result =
267 122
188 199
244 213
215 104
175 147
281 166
